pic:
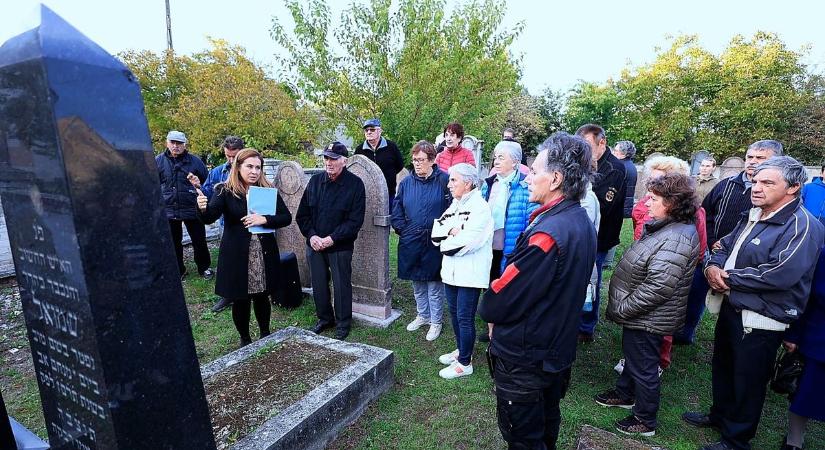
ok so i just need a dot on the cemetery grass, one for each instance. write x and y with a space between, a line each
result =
424 411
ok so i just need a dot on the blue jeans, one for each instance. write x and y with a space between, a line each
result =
695 306
463 302
429 299
591 318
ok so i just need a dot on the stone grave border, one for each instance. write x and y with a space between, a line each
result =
316 419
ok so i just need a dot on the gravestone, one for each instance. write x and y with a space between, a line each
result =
291 181
101 296
401 175
371 285
6 436
696 161
731 167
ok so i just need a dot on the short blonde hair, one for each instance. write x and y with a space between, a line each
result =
667 164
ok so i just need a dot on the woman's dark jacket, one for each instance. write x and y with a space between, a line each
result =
649 289
179 196
418 202
233 260
809 331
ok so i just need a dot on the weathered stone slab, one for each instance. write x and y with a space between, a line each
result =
591 438
731 166
291 181
371 283
315 420
101 296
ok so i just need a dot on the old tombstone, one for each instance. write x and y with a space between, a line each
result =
731 166
104 309
696 160
371 283
401 175
291 181
6 436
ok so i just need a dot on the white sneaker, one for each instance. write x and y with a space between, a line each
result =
434 331
455 370
448 358
417 323
661 371
620 366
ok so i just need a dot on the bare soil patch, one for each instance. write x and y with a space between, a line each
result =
246 395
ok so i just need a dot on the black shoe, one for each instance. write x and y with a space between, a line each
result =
612 398
699 420
321 326
585 338
341 334
631 425
221 304
717 446
207 274
786 446
244 342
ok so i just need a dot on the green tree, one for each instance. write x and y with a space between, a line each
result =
411 64
219 92
591 103
525 115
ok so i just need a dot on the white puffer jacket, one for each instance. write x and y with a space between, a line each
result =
469 254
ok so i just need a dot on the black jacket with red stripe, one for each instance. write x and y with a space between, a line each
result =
536 304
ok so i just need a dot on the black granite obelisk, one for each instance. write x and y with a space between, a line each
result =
103 304
6 436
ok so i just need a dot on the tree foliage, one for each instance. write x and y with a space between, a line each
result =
216 93
689 99
409 63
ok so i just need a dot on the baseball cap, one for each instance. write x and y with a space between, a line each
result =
176 136
372 123
335 150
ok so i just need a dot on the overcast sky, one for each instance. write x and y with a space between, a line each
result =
562 42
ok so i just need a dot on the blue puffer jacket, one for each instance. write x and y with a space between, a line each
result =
518 212
418 202
179 196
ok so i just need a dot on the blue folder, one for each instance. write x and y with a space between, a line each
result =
263 201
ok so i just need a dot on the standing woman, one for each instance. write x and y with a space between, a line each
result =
247 263
421 198
464 234
648 297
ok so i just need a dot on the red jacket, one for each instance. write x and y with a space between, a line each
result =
641 217
452 156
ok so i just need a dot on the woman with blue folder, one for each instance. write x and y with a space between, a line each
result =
248 260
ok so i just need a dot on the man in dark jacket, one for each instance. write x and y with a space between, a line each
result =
382 152
330 215
176 166
724 206
609 187
762 272
534 308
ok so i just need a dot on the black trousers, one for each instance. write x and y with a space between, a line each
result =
527 404
742 366
241 311
197 232
338 266
495 267
640 378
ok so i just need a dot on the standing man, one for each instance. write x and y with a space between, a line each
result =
624 151
609 187
329 216
382 152
176 166
534 308
762 271
705 181
231 146
723 206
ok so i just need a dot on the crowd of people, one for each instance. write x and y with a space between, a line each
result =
525 249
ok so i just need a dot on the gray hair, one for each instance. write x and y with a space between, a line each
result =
510 148
626 147
467 172
571 156
792 170
768 144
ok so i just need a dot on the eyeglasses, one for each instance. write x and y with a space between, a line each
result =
419 160
370 130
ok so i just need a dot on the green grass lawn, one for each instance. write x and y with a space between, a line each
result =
424 411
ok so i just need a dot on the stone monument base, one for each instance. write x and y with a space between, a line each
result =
370 315
316 419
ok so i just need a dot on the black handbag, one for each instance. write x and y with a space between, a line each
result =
786 372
